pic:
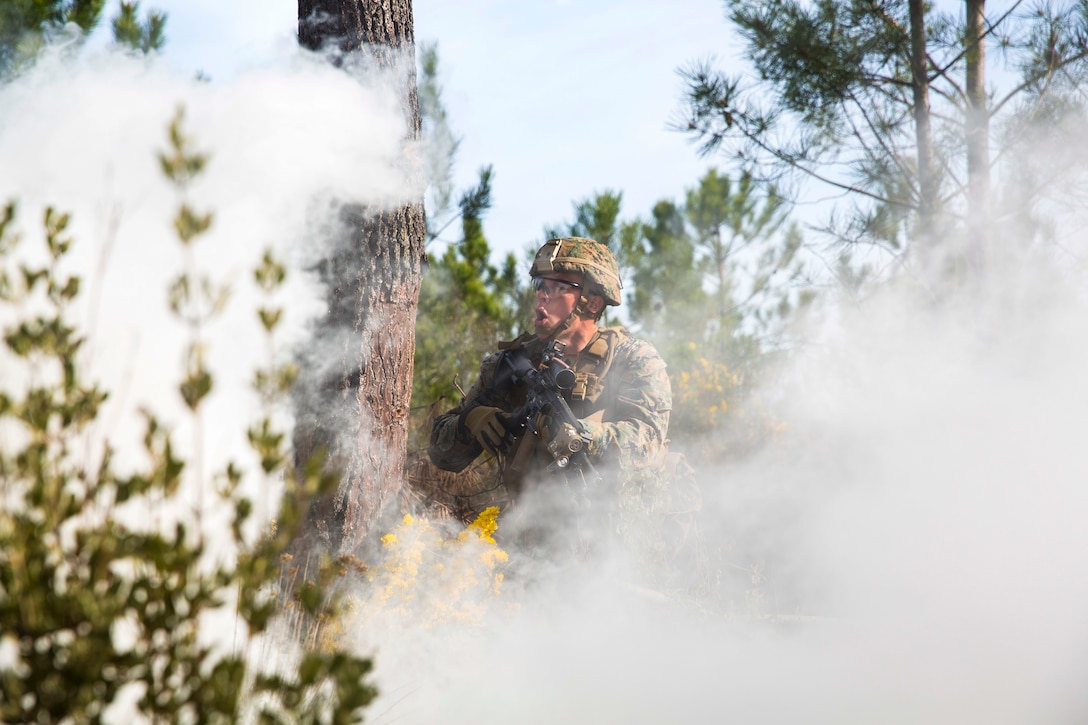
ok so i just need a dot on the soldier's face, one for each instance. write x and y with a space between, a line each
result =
554 300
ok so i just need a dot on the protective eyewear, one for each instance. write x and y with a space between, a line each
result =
550 286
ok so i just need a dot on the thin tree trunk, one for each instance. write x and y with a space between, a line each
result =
977 132
372 280
927 183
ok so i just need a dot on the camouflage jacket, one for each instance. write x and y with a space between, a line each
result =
621 385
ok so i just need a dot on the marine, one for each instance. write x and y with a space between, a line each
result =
620 394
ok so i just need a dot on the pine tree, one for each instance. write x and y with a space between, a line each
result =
466 304
139 36
372 280
667 303
465 307
888 102
715 283
27 25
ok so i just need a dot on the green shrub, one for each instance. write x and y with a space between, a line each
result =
97 612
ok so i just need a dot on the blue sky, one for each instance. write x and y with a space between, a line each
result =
564 98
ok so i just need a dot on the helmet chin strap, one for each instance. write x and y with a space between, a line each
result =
582 308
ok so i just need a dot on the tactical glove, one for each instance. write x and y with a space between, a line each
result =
563 440
488 426
594 428
564 444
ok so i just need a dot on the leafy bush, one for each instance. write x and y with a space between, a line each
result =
104 616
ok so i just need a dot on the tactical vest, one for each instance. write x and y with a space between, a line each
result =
590 392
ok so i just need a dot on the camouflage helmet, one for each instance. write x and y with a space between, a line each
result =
587 256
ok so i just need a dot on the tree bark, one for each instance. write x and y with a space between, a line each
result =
927 182
977 131
372 280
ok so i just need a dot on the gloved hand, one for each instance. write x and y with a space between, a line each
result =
488 426
563 440
565 443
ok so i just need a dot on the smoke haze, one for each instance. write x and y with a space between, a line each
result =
287 142
913 549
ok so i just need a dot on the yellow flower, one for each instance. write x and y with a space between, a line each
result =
487 523
429 578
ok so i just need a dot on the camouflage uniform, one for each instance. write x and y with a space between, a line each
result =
621 388
621 395
621 392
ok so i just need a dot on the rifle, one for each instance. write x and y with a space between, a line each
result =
544 400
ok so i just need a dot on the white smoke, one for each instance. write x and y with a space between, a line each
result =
81 132
918 531
914 546
289 142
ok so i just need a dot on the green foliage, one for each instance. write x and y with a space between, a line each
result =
438 139
825 64
668 284
835 101
595 218
468 262
466 303
139 36
26 25
96 601
756 282
714 284
181 165
718 273
194 298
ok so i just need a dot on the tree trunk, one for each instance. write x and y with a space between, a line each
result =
927 183
977 133
372 280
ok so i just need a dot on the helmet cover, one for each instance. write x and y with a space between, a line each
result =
593 260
